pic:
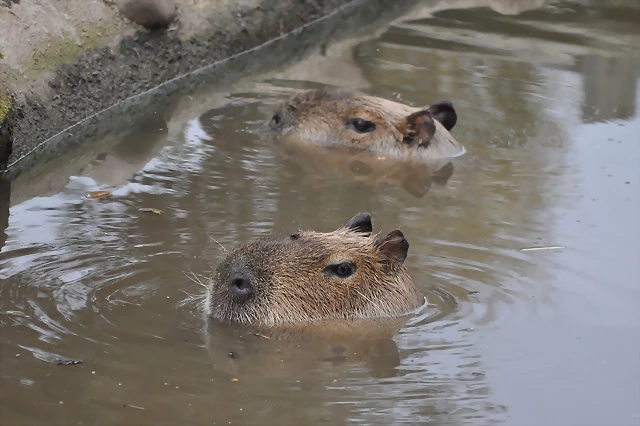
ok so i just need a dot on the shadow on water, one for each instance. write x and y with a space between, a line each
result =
547 107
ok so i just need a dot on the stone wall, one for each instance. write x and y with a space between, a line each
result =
64 60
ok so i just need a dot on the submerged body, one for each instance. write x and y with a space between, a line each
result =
353 119
308 277
368 167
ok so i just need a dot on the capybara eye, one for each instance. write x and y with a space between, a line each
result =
360 125
342 270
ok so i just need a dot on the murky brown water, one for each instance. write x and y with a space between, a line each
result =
547 102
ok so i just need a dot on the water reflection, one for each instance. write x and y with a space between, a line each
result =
5 202
610 87
100 281
340 164
329 351
115 167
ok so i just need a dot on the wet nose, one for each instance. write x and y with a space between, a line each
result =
282 117
241 285
277 119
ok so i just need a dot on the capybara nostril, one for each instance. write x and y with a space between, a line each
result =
276 120
241 285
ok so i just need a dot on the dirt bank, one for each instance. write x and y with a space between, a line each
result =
62 61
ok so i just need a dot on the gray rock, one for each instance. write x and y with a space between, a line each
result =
151 14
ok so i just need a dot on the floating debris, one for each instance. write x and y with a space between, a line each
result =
473 293
542 248
98 194
232 355
262 335
150 210
234 380
133 406
69 361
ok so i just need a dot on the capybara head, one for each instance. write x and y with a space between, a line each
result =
309 276
328 116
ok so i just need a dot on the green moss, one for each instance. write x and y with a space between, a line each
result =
5 106
63 50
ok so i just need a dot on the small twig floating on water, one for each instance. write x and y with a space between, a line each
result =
542 248
133 406
262 335
98 194
150 210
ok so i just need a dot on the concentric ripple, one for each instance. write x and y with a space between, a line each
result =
551 162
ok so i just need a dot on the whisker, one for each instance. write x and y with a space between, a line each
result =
218 243
192 294
192 300
195 278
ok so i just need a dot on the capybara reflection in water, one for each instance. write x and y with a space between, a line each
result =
354 119
307 276
339 164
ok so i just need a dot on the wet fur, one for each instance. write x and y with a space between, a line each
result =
319 116
290 286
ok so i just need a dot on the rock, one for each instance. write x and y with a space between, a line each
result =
151 14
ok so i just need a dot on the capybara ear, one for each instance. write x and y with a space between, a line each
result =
444 112
394 247
418 129
361 223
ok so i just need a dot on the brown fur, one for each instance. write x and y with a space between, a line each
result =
292 282
322 117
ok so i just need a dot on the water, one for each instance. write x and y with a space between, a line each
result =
547 105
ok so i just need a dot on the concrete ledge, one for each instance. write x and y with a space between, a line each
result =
63 61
